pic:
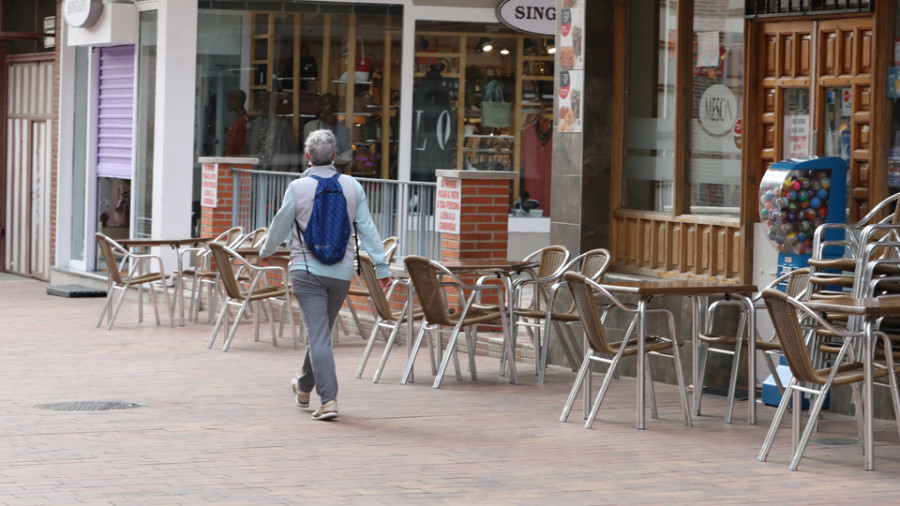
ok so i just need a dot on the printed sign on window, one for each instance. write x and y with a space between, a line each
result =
448 205
209 185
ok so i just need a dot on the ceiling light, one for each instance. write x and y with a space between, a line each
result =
504 51
484 45
551 49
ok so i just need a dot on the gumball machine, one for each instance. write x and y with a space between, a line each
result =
797 196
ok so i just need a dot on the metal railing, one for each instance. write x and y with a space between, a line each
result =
766 8
400 208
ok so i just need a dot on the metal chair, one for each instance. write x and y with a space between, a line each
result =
797 284
390 247
593 265
431 282
385 317
204 274
585 291
260 290
133 270
530 312
785 313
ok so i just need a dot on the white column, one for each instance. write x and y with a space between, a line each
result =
173 137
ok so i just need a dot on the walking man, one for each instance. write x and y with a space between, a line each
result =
321 288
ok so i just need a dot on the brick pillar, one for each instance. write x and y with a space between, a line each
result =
483 214
217 181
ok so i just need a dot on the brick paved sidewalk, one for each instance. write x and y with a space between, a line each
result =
223 428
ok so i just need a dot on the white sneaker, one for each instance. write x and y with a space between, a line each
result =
327 411
302 398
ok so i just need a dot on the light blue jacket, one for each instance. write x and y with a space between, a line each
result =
297 205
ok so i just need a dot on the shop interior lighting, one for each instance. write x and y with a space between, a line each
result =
504 51
551 49
485 45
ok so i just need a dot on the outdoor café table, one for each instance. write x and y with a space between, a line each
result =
645 290
870 309
504 271
175 244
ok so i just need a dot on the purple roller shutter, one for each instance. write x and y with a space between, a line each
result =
115 112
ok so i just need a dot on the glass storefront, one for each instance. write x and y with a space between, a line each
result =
483 100
266 79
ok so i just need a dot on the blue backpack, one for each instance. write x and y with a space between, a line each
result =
328 230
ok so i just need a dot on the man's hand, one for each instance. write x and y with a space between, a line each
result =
386 283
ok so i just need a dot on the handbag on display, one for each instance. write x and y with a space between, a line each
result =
362 66
494 110
309 69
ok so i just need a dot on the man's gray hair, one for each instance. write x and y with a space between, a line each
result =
321 146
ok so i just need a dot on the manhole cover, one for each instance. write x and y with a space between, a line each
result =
836 441
90 405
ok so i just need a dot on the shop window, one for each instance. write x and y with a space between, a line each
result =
483 100
146 117
707 164
650 109
714 152
262 90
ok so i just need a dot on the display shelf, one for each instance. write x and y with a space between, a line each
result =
356 83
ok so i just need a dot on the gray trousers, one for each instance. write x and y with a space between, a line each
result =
320 300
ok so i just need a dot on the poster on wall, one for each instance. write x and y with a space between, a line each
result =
571 90
571 37
796 135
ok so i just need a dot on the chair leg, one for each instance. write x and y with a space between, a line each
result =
470 347
369 344
412 356
607 378
237 321
387 350
813 415
451 346
648 372
118 306
585 367
732 380
219 321
776 421
701 376
106 305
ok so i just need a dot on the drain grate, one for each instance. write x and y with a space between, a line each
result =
90 406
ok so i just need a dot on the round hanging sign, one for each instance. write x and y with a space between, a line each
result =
530 16
82 13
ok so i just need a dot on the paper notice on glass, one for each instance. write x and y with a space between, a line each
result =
796 135
568 4
708 49
570 115
571 39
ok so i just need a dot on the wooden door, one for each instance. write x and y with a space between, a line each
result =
845 57
802 68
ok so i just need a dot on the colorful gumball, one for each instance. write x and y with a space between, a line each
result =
805 226
801 237
790 217
792 195
814 202
796 185
802 196
822 194
826 183
792 207
822 211
763 214
809 214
